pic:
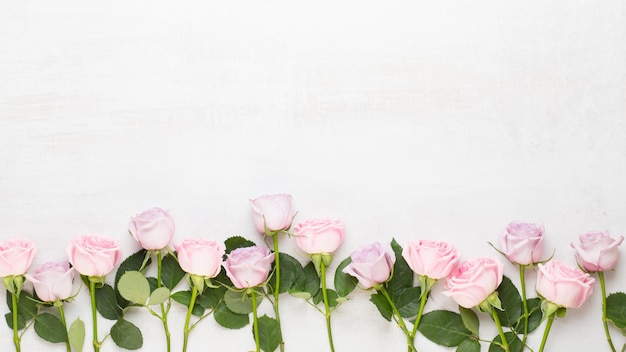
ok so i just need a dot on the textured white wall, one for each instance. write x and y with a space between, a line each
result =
405 119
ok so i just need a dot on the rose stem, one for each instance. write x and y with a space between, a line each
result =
401 323
522 270
416 324
546 331
94 316
277 289
194 294
505 343
16 337
328 312
255 321
163 311
59 305
604 320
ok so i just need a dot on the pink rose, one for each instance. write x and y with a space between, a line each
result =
319 235
563 285
248 266
371 264
53 281
272 212
473 281
92 255
597 251
522 243
200 257
434 259
16 256
153 229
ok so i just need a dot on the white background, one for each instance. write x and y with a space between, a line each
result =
442 120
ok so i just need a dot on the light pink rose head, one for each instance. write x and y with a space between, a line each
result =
319 235
522 243
200 257
434 259
248 266
597 251
53 281
16 256
563 285
473 281
272 212
371 264
153 229
92 255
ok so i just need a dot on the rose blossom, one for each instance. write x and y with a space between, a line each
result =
200 257
473 281
434 259
16 256
563 285
248 266
272 212
53 281
152 229
371 264
319 235
522 242
597 251
92 255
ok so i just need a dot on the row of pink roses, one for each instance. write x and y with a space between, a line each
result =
470 284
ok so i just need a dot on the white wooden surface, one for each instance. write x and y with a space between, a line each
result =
406 119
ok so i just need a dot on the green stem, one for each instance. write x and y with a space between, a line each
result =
505 343
163 310
546 332
255 321
522 279
94 315
16 337
420 312
59 305
277 290
192 302
326 306
604 320
409 339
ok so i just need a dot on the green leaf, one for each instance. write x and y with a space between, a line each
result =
132 263
134 287
468 345
511 303
312 285
408 303
50 328
77 335
126 335
616 310
383 306
269 333
291 275
344 283
158 296
235 242
211 297
26 306
515 344
228 319
534 320
240 302
171 272
470 320
106 303
402 274
184 298
332 298
444 328
21 322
